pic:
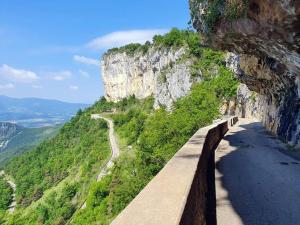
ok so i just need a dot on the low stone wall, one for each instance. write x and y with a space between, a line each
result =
183 192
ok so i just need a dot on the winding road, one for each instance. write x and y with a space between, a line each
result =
115 151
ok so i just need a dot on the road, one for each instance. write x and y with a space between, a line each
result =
13 204
256 184
115 150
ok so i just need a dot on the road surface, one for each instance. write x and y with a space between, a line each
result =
115 151
256 184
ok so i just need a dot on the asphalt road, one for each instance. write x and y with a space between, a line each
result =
256 184
115 151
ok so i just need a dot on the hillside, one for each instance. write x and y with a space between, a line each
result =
165 68
23 139
7 132
52 180
149 137
58 176
34 112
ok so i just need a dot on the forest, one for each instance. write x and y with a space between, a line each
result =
54 179
155 135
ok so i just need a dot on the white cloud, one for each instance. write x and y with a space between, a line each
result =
18 75
86 60
120 38
84 73
37 86
74 87
59 75
54 50
7 86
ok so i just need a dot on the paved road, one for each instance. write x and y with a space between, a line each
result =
115 151
113 146
256 184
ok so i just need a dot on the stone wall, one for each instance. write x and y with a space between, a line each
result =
183 192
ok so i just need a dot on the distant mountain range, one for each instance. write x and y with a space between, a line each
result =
34 112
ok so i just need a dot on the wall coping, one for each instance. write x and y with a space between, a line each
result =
165 199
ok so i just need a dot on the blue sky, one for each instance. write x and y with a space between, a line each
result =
51 48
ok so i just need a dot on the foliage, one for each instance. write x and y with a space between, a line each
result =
26 140
207 64
75 154
5 194
58 176
129 49
228 10
174 39
156 136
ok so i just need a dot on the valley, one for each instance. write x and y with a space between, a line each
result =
182 118
34 112
22 139
56 178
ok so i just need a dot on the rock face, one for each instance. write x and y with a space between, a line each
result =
161 72
7 132
266 36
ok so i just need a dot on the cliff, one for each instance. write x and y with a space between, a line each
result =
266 36
165 69
161 72
7 132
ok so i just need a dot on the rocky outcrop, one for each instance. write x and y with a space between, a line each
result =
266 36
161 72
7 132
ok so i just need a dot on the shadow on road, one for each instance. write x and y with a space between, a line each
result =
262 184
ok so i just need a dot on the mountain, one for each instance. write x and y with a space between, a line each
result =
15 139
7 132
269 56
57 178
35 112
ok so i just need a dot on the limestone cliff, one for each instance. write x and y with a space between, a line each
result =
266 36
161 72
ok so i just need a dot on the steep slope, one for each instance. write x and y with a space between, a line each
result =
265 34
24 139
56 178
148 137
162 69
52 180
7 132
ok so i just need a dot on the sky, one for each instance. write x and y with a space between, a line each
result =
52 48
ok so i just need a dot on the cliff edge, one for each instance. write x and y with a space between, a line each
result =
266 36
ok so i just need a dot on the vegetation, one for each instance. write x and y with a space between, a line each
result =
155 136
5 195
26 140
174 39
52 180
217 10
58 176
